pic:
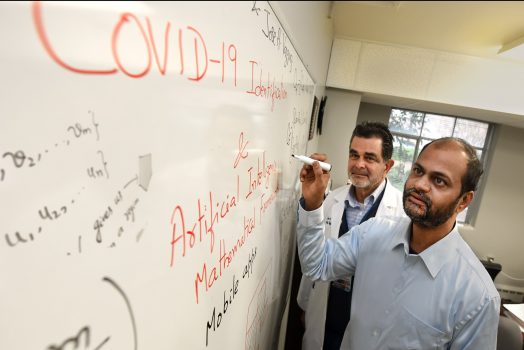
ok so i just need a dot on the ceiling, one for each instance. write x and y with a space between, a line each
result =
477 28
474 28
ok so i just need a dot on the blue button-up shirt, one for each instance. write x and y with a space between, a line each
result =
354 210
442 298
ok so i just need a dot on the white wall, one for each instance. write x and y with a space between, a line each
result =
340 117
373 113
499 228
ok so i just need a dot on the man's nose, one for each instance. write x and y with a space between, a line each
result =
360 163
422 184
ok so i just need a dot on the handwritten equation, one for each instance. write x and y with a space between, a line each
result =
50 213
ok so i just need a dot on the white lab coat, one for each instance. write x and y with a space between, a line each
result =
312 297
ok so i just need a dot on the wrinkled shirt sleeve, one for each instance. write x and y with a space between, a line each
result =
321 258
479 330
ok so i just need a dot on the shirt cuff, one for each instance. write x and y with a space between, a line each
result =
308 218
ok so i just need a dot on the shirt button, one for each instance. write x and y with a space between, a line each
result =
375 333
387 312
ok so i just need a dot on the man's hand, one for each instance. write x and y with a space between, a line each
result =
314 182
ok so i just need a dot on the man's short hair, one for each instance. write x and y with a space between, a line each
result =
379 130
470 179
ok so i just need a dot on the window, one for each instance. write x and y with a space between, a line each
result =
412 130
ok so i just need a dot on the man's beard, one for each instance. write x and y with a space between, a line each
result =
359 183
364 182
427 217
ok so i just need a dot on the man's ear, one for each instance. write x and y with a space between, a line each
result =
389 165
464 201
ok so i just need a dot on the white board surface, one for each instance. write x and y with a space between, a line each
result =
148 197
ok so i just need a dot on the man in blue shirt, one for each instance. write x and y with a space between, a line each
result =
418 285
327 305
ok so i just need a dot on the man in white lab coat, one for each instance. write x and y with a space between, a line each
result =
327 305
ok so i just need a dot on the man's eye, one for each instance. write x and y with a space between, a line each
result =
439 181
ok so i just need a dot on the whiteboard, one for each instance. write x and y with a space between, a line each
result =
148 196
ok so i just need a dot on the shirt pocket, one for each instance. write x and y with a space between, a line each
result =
412 333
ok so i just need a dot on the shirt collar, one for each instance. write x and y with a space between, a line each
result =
435 256
369 200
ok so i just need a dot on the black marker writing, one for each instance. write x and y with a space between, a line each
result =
78 130
255 8
53 214
95 124
19 158
129 308
99 172
215 321
272 34
19 238
80 341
